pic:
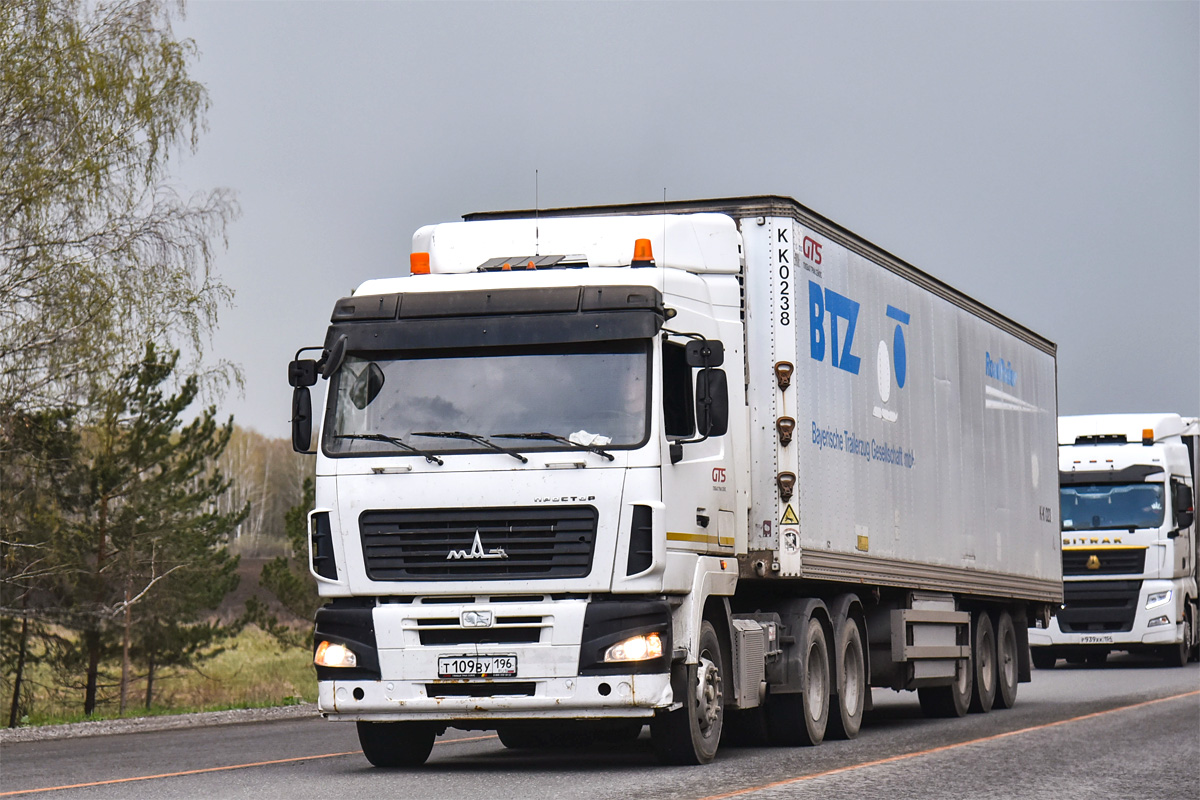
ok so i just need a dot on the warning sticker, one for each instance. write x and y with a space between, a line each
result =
789 516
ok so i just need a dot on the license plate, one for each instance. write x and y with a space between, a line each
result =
477 666
1096 639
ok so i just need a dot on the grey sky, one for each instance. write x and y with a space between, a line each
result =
1042 157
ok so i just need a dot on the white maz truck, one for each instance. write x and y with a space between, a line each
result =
712 466
1128 540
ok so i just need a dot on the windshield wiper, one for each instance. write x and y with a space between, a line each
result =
474 437
383 437
553 437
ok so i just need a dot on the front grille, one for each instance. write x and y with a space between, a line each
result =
478 543
1112 561
507 630
1099 606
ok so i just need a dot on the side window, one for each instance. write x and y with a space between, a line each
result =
678 407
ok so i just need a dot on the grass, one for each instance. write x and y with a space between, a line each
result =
254 671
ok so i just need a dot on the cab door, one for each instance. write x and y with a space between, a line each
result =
699 482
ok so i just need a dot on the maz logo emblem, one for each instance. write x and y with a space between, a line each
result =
476 551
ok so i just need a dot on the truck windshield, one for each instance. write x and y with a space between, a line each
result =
455 401
1090 507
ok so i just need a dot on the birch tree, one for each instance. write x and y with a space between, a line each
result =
99 251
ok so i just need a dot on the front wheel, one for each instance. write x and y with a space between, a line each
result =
691 734
396 744
1043 657
1177 655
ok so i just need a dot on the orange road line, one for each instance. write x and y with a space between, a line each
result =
219 769
934 750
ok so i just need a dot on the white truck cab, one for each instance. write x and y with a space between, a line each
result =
1127 484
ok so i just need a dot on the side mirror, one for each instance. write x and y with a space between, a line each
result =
712 402
302 372
705 353
1183 519
1183 497
301 420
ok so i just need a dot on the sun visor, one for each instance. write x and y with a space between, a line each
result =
700 243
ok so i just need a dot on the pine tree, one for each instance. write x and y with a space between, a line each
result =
150 544
41 480
288 578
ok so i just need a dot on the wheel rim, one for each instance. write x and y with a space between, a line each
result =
816 690
987 664
708 694
852 668
962 683
1008 651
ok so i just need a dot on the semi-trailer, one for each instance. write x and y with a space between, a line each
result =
711 465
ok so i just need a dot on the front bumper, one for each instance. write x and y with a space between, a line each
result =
1140 634
558 645
590 697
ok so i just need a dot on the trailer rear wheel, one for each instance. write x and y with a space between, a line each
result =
396 744
1007 664
800 718
952 700
690 735
983 659
846 713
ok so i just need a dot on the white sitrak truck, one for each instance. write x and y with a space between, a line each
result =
703 465
1128 540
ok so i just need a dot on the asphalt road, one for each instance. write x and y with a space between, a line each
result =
1128 729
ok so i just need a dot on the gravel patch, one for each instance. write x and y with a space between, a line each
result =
203 719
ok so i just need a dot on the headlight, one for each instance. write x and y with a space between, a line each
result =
1156 599
331 654
636 648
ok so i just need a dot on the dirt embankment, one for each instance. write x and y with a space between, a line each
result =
234 605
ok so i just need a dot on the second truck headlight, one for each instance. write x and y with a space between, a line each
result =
1156 599
642 647
331 654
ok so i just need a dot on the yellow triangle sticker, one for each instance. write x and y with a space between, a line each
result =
789 516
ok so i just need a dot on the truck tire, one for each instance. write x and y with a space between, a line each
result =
522 737
850 662
800 718
1043 657
691 734
396 744
1177 655
983 662
1007 662
952 700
